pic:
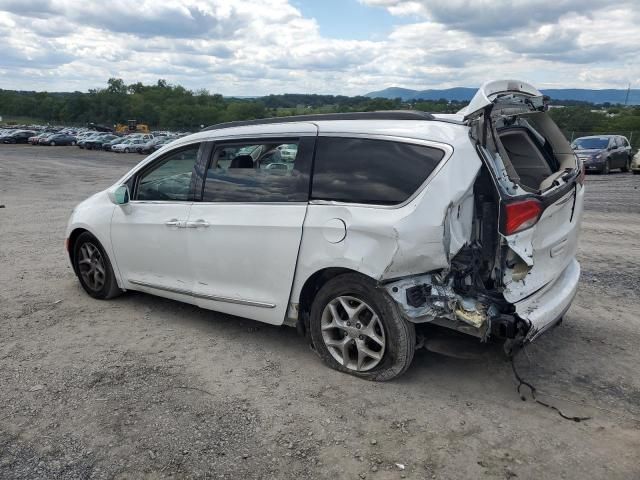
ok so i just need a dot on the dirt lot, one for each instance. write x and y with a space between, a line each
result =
141 387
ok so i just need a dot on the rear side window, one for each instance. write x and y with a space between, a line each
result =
267 170
368 171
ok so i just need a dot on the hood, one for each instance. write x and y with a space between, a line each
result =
530 98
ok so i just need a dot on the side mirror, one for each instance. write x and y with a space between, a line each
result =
613 147
120 195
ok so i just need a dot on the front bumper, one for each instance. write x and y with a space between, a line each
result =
545 308
593 164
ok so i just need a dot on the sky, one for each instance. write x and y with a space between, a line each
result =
349 47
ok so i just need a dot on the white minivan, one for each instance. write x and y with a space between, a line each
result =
370 224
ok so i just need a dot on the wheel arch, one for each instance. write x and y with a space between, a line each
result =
312 286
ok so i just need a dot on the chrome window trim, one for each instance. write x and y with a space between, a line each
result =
448 153
217 298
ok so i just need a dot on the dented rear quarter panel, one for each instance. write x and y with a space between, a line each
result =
385 242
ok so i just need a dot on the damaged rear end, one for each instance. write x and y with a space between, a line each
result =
517 275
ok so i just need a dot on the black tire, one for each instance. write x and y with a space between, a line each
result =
400 335
109 288
636 172
627 165
73 144
126 150
52 144
607 168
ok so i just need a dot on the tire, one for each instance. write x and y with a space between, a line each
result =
52 144
627 165
126 150
636 172
607 168
73 144
395 338
89 257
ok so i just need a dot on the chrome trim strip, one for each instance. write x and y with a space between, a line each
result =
216 298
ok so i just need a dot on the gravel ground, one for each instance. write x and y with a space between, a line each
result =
141 387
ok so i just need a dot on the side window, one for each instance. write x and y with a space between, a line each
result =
170 178
370 171
266 170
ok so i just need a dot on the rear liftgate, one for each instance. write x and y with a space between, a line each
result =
525 225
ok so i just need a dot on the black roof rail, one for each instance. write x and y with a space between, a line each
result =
382 115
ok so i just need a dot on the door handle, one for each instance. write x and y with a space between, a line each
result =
198 223
174 222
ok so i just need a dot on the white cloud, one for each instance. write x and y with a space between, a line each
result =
254 47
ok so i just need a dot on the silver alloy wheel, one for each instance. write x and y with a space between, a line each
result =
353 333
92 267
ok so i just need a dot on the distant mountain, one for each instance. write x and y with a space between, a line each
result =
464 94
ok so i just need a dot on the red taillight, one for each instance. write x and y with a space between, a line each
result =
521 215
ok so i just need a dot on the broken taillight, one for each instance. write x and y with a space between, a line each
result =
520 215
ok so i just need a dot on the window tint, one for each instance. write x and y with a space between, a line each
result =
370 171
259 171
170 178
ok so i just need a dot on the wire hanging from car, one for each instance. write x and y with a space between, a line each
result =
533 391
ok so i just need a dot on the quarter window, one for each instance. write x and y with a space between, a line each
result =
170 178
370 171
260 171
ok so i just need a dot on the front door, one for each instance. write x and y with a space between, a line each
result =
148 233
245 234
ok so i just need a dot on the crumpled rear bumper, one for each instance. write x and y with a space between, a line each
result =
545 308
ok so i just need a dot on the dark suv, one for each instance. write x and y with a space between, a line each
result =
601 153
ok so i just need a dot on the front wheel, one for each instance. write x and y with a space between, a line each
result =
358 329
52 144
73 144
93 268
607 168
126 150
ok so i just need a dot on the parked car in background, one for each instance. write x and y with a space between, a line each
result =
33 140
165 141
107 145
128 145
59 139
41 139
147 147
602 153
382 220
18 136
635 163
96 142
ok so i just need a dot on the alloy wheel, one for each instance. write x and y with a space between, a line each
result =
92 266
353 333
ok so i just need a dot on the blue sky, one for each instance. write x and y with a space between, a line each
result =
349 19
257 47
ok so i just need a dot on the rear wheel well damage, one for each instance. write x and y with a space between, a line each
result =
311 287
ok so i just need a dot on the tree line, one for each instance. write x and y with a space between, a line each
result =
163 105
174 107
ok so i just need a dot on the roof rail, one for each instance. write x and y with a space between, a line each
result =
381 115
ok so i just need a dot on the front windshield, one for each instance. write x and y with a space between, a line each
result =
590 143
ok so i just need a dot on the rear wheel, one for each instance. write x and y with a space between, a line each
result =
358 329
93 268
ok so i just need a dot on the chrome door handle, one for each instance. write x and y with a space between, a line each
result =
174 222
198 223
